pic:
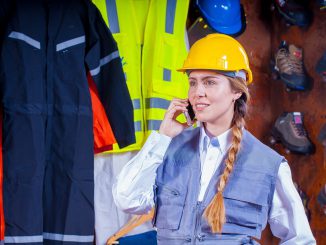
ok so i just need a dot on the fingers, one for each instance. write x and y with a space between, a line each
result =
178 102
176 107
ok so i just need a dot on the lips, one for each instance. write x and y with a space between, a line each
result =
201 106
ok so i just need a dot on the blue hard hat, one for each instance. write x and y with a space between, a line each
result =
223 16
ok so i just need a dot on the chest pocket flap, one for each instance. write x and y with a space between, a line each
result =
169 207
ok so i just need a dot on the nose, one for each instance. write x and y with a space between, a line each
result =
200 90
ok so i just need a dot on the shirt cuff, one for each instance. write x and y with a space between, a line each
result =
159 143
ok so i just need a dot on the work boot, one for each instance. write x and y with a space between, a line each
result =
294 12
321 67
289 130
288 65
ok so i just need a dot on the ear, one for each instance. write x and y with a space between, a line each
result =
237 95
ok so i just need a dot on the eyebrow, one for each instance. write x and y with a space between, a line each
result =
204 77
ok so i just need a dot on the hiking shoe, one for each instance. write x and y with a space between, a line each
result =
288 65
289 130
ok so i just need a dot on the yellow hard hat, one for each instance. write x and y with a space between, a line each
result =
221 53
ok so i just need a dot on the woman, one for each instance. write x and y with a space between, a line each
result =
214 184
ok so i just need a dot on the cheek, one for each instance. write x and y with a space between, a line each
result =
191 96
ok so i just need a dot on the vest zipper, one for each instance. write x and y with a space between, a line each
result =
201 204
197 214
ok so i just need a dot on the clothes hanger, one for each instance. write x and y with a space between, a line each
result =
131 224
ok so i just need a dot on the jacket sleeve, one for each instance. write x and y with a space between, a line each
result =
287 218
104 64
136 195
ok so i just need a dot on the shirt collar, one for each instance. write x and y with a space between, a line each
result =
223 141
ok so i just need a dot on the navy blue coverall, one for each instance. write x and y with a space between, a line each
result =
47 48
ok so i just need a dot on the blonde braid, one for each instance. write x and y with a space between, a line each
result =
215 211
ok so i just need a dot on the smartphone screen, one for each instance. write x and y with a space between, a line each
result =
190 114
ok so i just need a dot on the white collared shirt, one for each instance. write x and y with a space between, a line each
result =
212 150
133 189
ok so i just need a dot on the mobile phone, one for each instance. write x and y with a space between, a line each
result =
189 114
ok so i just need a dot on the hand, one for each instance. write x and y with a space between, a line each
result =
170 126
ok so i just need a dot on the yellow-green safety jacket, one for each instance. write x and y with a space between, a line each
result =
151 42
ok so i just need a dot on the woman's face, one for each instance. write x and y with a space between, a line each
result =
211 97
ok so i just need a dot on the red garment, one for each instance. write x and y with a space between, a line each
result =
103 135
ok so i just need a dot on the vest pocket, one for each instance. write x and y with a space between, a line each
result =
169 208
243 212
246 210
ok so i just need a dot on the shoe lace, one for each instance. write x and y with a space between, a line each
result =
299 129
288 63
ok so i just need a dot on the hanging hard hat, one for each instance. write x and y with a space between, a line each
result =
223 16
221 53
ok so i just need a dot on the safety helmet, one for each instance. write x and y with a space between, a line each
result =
221 53
223 16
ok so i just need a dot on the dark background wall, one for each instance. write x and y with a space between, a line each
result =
265 29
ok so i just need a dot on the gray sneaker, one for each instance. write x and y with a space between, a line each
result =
289 130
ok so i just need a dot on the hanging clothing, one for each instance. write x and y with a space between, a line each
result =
102 131
103 140
48 156
151 40
108 217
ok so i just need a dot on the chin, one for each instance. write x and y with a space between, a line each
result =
201 119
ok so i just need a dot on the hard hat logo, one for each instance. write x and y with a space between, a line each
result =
221 53
223 62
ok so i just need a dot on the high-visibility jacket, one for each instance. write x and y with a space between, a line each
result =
151 41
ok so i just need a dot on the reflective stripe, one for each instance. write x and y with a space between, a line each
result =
170 15
25 38
157 103
68 238
104 61
137 126
166 74
23 239
136 103
153 124
70 43
111 9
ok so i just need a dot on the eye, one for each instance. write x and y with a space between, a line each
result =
209 82
192 83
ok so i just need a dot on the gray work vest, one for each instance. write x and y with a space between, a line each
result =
248 194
